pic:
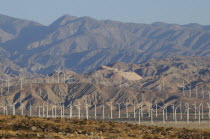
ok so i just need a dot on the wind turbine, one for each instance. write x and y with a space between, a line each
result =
203 93
151 114
103 113
134 109
173 108
190 87
21 108
86 108
139 116
183 88
95 111
3 85
39 109
196 91
175 118
47 108
187 105
156 106
13 108
64 76
126 107
164 107
43 110
70 109
52 111
30 109
195 107
5 108
201 105
8 81
21 81
111 110
58 71
208 105
209 94
199 113
78 107
119 109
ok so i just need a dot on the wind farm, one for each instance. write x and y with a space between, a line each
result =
88 96
81 77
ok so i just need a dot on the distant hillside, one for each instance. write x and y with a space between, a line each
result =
155 81
83 44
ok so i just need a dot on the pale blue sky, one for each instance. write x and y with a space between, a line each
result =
138 11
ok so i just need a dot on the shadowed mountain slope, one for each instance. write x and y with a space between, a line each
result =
83 44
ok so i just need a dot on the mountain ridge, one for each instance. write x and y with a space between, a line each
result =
82 44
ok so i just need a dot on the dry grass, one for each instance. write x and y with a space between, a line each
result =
33 127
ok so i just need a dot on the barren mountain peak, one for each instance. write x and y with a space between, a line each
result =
63 20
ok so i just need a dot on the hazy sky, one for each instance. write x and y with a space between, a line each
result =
139 11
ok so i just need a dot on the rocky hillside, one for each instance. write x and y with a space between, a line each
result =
155 81
83 44
168 74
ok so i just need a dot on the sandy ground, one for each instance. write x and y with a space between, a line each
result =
190 125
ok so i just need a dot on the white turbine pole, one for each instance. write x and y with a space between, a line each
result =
70 110
190 90
180 110
78 106
166 112
188 111
63 107
195 107
8 81
95 111
21 82
86 107
183 88
103 114
58 78
202 109
43 110
55 107
47 109
175 113
199 112
5 108
203 93
61 113
173 108
164 115
53 116
111 110
156 109
209 94
139 116
208 105
134 110
126 107
39 111
119 109
13 108
30 109
151 114
21 107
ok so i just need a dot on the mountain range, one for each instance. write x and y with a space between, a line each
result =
82 44
152 82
